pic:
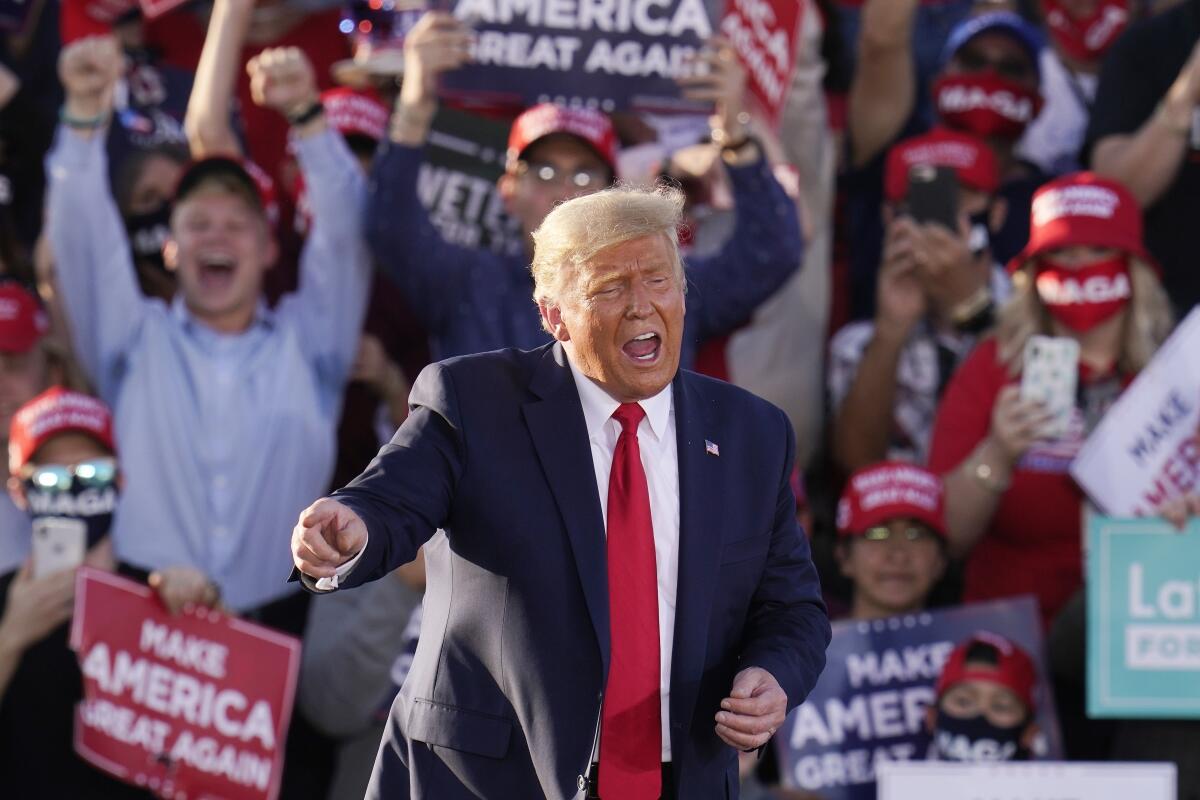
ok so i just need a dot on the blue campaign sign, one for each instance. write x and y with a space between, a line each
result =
1143 621
608 54
869 705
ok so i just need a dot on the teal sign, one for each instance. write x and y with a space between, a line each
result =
1143 581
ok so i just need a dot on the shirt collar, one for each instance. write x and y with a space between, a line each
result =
263 316
599 405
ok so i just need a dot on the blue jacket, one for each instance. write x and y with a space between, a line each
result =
506 686
472 300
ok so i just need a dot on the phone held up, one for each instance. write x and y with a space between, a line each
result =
1049 375
933 195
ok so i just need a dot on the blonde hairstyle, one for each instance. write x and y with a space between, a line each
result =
1147 326
577 230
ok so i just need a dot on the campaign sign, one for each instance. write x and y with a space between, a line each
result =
764 34
1143 620
868 708
1027 781
1145 450
612 55
457 182
191 706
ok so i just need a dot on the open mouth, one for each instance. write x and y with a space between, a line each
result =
216 270
643 349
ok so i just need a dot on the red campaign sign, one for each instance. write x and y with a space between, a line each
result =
192 706
764 34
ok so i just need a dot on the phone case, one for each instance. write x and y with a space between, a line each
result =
58 543
1050 374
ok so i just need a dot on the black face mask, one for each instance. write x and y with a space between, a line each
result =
91 506
148 233
975 740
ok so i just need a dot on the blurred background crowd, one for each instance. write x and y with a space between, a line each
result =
228 244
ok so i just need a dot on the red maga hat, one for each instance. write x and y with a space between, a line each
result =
243 170
968 156
23 322
1013 670
355 112
54 411
593 127
1083 209
891 490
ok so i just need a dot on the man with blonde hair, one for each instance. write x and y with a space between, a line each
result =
623 598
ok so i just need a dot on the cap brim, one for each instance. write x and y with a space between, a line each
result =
611 166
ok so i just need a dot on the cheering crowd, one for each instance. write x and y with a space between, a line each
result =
220 273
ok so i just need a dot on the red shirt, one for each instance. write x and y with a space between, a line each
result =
1032 545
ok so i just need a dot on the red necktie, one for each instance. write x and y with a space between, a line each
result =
630 732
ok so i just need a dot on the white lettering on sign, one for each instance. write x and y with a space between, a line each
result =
850 768
190 652
649 17
1174 600
916 663
877 715
1162 647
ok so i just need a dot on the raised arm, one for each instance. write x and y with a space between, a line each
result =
1145 156
335 269
430 271
884 90
210 105
95 272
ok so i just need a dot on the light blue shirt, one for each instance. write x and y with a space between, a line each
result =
223 439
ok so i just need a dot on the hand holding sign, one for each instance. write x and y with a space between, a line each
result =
180 587
437 43
754 710
327 536
89 69
719 78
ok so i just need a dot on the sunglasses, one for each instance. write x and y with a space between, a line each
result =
882 533
550 175
96 473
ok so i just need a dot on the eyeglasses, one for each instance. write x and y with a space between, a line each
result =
1016 69
549 175
882 533
96 473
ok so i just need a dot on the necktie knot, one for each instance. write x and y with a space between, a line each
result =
630 415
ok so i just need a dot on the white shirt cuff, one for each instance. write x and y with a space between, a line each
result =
329 584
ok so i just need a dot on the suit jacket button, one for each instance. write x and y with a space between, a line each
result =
582 783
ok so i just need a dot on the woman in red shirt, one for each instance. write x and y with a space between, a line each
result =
1012 507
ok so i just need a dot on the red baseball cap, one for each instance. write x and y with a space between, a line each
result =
354 112
969 157
890 490
1013 670
593 127
54 411
1083 209
242 169
23 322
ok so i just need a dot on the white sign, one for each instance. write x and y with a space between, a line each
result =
1145 450
937 780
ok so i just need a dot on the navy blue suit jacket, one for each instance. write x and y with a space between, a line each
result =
505 691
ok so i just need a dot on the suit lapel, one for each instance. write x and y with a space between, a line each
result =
699 547
560 437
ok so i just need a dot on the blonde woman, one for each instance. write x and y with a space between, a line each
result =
1012 507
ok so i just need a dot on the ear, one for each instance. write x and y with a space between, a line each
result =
506 185
271 247
171 254
552 321
998 215
17 492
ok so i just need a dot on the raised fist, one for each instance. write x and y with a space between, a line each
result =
89 70
281 78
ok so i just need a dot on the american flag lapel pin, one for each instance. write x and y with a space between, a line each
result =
711 448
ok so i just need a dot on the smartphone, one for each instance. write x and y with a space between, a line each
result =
58 543
1049 375
933 195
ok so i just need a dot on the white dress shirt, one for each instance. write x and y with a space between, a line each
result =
660 461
